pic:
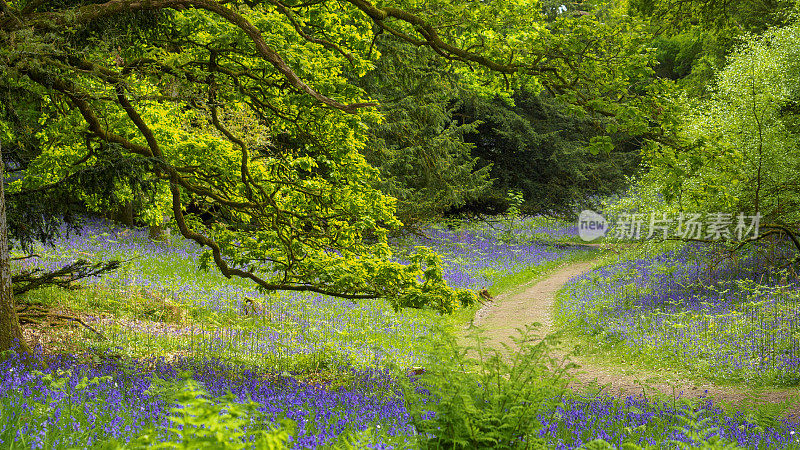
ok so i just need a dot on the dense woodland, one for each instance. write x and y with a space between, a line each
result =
404 154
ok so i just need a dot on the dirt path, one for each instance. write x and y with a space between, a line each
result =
534 303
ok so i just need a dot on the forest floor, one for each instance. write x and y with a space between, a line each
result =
534 302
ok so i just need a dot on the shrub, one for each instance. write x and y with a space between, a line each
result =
473 397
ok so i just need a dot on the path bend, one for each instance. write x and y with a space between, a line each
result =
534 302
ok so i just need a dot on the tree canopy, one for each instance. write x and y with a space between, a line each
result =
737 150
246 110
418 144
534 145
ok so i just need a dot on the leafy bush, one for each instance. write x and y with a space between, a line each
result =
473 397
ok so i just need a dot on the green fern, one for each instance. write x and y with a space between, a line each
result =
201 422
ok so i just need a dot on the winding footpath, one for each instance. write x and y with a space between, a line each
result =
534 303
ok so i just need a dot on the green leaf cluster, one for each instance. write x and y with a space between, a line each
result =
201 422
474 397
737 151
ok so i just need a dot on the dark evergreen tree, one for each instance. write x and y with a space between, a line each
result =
535 145
419 146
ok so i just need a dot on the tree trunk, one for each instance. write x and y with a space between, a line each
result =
121 213
159 233
124 214
10 330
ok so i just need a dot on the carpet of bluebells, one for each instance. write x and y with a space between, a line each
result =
57 408
476 256
122 403
646 423
733 317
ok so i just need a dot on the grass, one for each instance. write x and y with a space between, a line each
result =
161 301
316 368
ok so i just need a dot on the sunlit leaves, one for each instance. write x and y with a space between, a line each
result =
231 105
741 149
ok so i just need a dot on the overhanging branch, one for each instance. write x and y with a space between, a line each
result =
91 13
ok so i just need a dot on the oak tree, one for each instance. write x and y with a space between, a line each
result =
242 109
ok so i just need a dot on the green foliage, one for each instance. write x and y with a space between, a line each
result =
749 16
472 397
434 291
273 183
515 201
737 151
36 203
699 432
551 154
359 439
417 144
475 397
680 56
204 423
249 129
695 37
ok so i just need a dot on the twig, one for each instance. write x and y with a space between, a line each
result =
31 314
20 258
80 321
